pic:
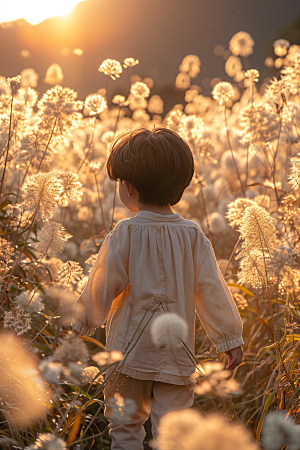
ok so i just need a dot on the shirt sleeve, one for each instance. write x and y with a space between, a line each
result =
214 304
107 280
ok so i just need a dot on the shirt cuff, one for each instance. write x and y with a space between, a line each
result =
82 329
227 345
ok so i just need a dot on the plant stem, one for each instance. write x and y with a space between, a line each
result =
8 140
230 147
46 148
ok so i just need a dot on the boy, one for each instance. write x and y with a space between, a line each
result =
156 254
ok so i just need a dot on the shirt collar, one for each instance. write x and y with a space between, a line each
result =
159 217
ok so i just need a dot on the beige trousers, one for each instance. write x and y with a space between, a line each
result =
153 398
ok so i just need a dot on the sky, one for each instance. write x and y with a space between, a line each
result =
159 33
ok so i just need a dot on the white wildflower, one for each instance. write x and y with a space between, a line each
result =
121 409
35 305
18 320
279 430
48 441
168 330
217 223
241 44
52 238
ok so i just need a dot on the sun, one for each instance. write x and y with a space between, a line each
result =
35 11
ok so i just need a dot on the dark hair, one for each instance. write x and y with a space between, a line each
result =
158 163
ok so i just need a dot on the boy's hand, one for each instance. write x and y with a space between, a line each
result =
235 357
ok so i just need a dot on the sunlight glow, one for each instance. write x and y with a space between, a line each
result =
34 11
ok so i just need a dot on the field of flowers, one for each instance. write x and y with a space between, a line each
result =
57 205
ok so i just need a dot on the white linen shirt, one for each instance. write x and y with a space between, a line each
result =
152 254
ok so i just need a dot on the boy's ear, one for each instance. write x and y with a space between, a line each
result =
129 187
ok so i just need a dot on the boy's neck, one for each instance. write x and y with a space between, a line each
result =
156 209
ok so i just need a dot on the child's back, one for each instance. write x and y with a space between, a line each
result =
153 254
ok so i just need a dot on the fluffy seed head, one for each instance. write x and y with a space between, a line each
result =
252 74
187 429
95 104
222 92
52 238
47 441
41 192
130 62
241 44
217 223
168 330
279 431
70 272
281 47
111 67
140 90
72 350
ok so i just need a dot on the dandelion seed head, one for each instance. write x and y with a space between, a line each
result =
185 428
291 73
233 66
175 118
191 65
120 409
70 187
58 106
36 304
236 209
260 124
281 47
241 44
88 375
119 100
183 81
71 350
217 223
253 75
54 74
41 193
191 128
168 329
70 272
95 104
279 430
111 67
222 92
52 238
29 78
258 228
180 429
51 371
12 82
47 441
156 104
140 90
130 62
28 96
18 320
